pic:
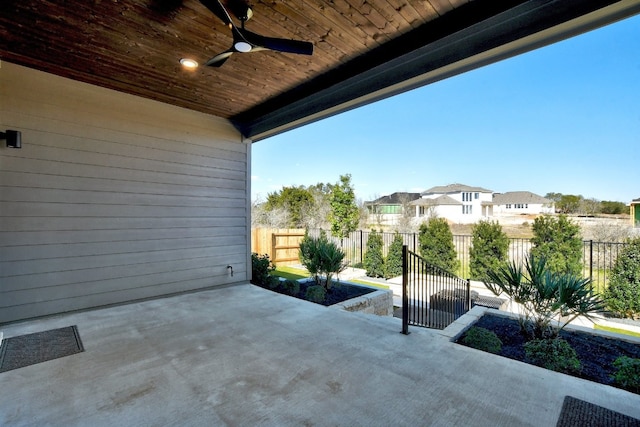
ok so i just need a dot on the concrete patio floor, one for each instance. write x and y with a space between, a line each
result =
244 356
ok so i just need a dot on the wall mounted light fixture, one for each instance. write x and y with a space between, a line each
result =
13 137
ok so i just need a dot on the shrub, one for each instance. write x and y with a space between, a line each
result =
436 244
393 263
627 375
373 261
482 339
544 296
290 287
261 268
554 354
623 294
315 294
321 257
489 250
558 240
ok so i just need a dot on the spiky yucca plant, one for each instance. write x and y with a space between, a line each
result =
545 296
322 258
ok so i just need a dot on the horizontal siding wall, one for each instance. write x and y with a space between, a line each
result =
113 198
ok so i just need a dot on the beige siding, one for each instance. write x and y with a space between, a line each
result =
113 198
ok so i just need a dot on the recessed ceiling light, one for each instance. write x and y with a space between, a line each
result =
242 47
189 63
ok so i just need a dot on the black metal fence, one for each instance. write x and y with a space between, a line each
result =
598 258
431 296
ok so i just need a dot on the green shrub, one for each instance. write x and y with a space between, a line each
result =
558 240
393 263
627 375
482 339
290 287
373 260
315 293
436 244
261 268
623 293
554 354
321 257
489 249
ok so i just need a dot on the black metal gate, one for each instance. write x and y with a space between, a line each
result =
431 297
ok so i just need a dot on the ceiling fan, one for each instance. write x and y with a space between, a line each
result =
245 41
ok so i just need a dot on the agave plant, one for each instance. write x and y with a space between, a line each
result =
549 300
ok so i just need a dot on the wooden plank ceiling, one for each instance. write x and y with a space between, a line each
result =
135 46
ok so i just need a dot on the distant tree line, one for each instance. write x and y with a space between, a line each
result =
321 205
576 204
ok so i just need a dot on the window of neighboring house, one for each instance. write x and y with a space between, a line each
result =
390 209
508 205
466 209
476 196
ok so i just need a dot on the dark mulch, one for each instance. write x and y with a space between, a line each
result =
339 292
596 353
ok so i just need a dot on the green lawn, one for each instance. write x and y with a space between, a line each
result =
616 330
290 273
293 273
371 284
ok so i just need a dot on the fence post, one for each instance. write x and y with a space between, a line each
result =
405 295
361 255
468 294
591 260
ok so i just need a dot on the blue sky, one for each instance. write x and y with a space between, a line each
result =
564 118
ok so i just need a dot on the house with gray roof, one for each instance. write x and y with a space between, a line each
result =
388 209
458 203
521 202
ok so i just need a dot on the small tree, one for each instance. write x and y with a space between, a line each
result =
436 244
545 296
623 293
373 261
345 214
489 250
321 258
393 263
557 240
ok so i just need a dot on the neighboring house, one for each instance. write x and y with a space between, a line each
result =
458 203
521 202
635 212
387 210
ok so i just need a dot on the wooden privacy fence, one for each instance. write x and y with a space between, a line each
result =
281 244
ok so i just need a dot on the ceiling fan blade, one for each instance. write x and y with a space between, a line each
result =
220 58
218 9
280 45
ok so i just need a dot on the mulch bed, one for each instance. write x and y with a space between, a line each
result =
596 353
338 293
